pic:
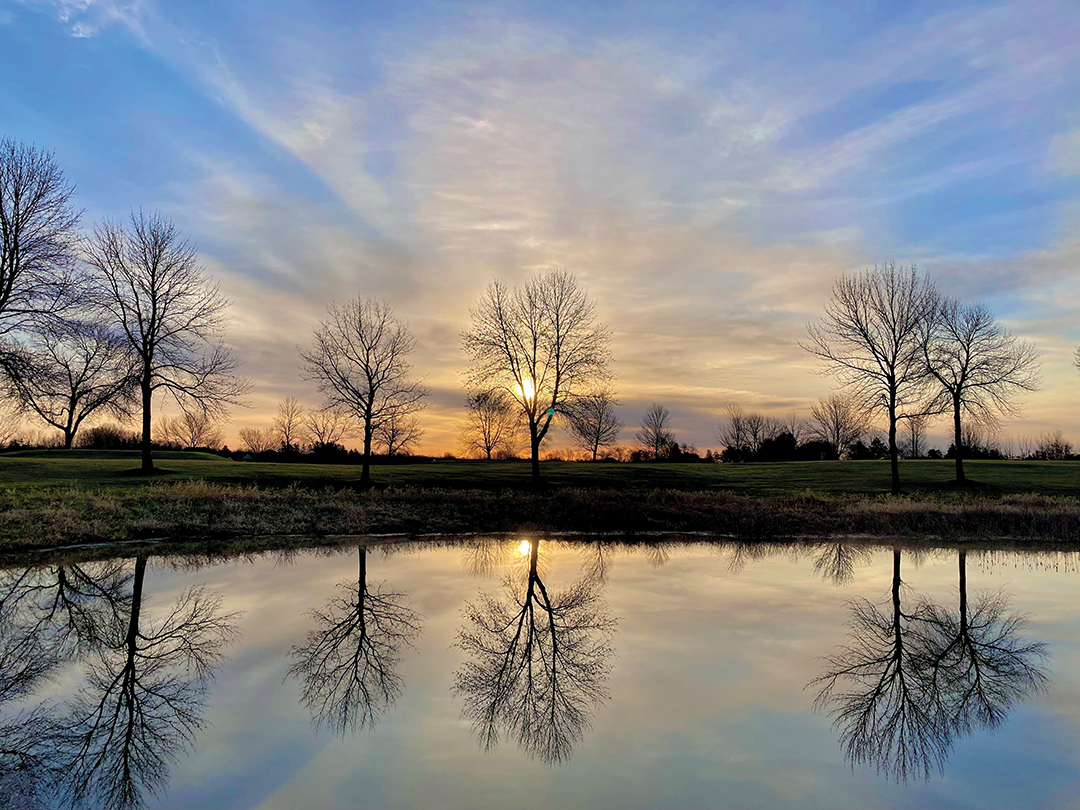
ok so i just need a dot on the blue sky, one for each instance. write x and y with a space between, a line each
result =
706 169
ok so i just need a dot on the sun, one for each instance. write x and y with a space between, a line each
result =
525 548
527 388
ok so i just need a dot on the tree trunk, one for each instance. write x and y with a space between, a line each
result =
69 439
894 452
958 445
535 441
147 395
365 469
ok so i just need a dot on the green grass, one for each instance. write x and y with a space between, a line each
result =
112 470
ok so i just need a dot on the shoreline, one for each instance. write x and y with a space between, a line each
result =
205 513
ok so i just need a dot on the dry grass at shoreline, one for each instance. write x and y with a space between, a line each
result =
199 510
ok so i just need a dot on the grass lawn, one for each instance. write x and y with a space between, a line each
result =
112 470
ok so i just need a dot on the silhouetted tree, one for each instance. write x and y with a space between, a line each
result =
593 422
538 663
190 429
38 236
872 341
347 667
541 345
258 440
359 363
289 424
979 367
151 289
838 421
655 437
399 434
327 426
71 371
492 423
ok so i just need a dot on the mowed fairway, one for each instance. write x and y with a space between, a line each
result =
102 470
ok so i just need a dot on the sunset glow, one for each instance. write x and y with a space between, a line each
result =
707 173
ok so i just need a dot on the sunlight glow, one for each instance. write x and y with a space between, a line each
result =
527 389
525 548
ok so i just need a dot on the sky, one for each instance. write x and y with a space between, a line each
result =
707 171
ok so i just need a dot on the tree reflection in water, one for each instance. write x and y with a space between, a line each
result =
912 680
538 662
979 664
348 666
140 704
836 562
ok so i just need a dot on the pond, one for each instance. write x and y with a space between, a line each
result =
545 673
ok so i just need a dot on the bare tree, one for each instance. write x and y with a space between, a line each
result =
837 421
492 424
1076 360
872 341
541 345
38 235
593 422
11 411
979 367
327 426
916 432
170 313
72 370
289 423
190 429
258 440
655 436
742 433
399 434
359 363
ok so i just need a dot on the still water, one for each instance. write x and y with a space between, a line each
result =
545 673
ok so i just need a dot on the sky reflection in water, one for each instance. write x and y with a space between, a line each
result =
546 674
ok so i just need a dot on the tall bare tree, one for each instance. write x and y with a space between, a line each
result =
72 370
978 366
837 421
593 421
289 423
326 426
492 423
359 362
872 341
540 344
399 434
170 313
655 435
38 235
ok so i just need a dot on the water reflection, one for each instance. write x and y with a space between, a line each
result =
531 665
913 679
538 663
347 668
140 703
